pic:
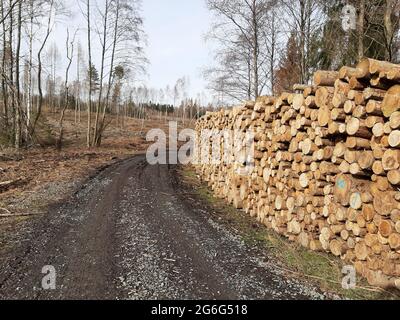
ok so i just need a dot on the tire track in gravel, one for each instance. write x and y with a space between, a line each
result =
131 233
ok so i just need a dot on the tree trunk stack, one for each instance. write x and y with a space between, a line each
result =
327 165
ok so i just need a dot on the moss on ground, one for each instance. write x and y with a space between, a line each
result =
322 269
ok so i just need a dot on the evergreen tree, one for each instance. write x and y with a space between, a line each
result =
288 72
95 78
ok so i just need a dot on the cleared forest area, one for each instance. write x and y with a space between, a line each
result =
34 178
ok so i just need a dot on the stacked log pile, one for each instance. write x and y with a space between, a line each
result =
326 165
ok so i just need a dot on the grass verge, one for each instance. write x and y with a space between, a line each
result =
321 269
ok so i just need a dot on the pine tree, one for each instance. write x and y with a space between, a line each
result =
95 78
289 72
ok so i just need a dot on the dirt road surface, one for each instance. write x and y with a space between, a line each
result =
131 232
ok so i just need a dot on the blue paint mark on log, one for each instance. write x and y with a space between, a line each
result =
341 183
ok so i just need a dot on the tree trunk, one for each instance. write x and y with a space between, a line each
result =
111 75
360 29
11 69
18 106
389 30
4 66
255 51
40 70
97 129
89 109
70 54
29 98
303 41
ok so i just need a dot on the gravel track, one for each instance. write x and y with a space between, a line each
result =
132 233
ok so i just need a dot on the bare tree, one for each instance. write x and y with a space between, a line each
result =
78 84
103 35
305 18
125 38
49 28
53 57
89 43
69 55
241 28
18 105
391 28
361 29
29 91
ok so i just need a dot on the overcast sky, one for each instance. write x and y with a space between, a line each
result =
176 30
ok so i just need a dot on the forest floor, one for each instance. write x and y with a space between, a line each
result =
32 179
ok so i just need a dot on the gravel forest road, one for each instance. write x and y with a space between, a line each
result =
131 232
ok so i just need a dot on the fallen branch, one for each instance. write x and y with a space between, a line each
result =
6 185
4 157
8 214
6 210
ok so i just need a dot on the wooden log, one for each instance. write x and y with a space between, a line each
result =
316 245
355 84
351 156
361 251
393 74
377 168
363 69
359 112
349 106
323 96
368 67
374 107
354 128
366 160
368 212
391 102
394 241
340 149
325 78
384 204
394 120
394 139
355 201
304 239
371 121
377 67
357 143
373 93
342 189
298 101
391 160
338 247
324 116
386 228
345 73
378 130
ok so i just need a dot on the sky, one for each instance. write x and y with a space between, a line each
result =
176 45
176 32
